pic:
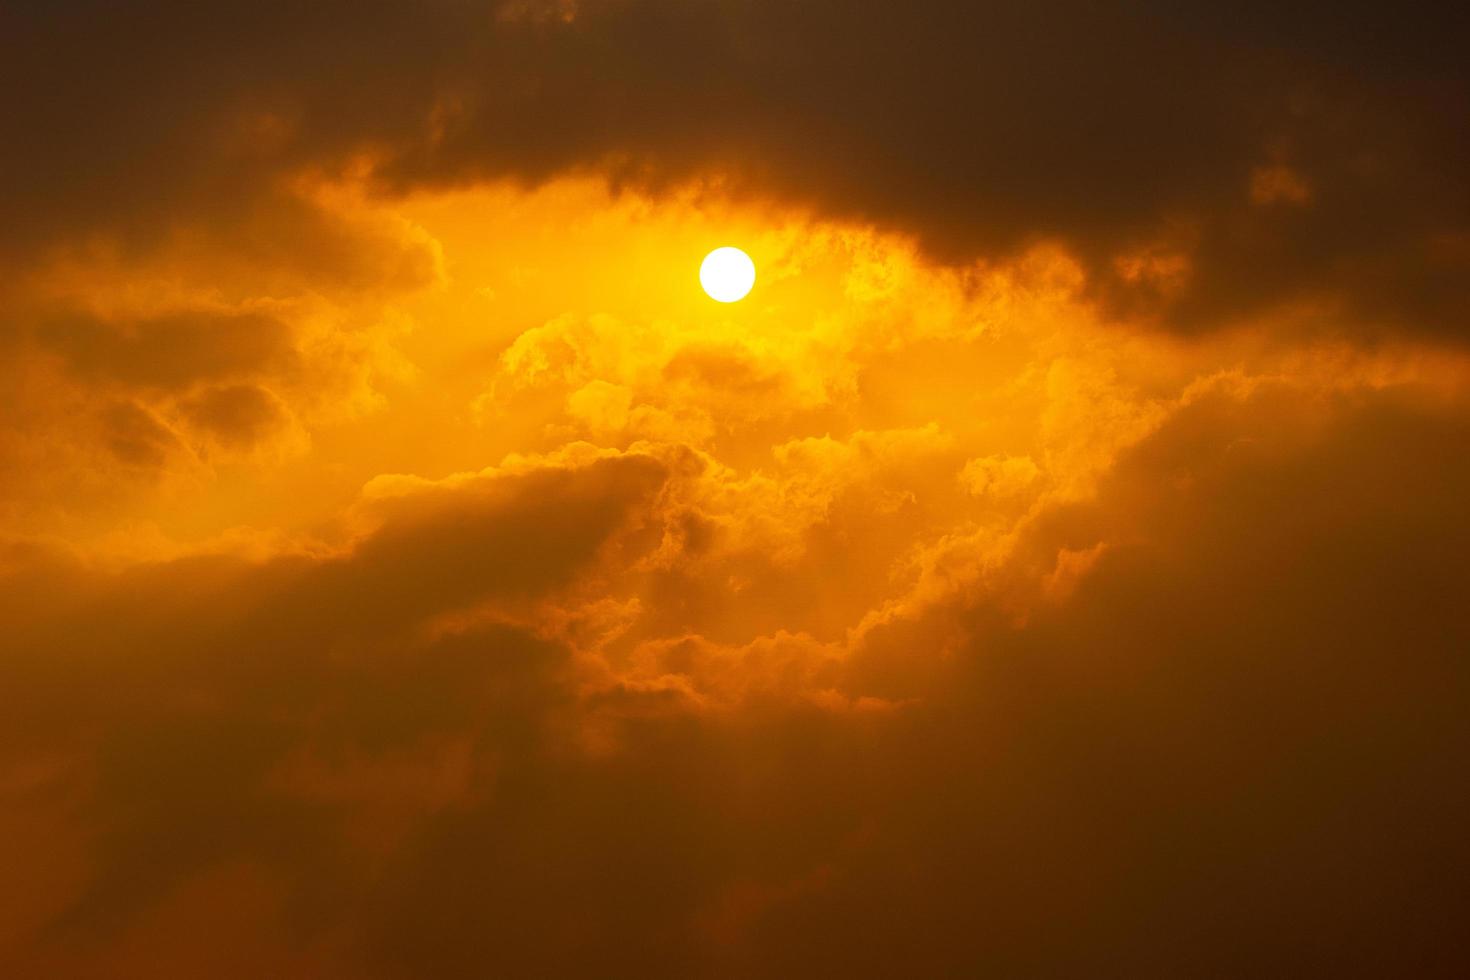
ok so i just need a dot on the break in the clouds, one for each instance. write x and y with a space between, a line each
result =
1054 567
1208 164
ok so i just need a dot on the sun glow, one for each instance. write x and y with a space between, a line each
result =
727 274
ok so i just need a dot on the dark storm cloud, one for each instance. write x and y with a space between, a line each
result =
979 127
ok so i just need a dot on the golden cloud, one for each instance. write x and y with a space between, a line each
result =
1053 566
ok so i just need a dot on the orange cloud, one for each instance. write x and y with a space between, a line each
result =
1052 567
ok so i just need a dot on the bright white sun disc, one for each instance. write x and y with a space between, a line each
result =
727 274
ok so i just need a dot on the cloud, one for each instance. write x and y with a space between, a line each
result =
235 414
1232 742
168 351
980 131
1251 696
189 730
1051 568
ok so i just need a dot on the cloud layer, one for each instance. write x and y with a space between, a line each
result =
1055 567
1206 719
1206 166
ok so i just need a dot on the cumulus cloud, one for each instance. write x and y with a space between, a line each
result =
1241 722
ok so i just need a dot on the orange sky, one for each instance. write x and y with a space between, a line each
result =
1054 567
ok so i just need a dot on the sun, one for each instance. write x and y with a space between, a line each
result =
727 274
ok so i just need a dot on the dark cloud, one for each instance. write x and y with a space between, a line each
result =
190 692
235 415
1119 130
1232 750
172 351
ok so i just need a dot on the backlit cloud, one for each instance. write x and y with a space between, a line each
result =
1054 566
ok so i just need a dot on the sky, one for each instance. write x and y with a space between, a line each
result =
1055 567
